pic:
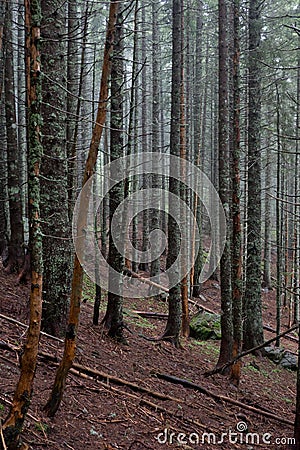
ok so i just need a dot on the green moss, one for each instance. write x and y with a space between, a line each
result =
42 427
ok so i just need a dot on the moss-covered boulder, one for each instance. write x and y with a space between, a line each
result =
204 326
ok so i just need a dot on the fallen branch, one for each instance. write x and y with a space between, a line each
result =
241 355
291 338
221 398
144 280
112 379
2 439
10 319
151 315
9 403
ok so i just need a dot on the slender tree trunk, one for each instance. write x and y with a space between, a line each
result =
279 217
145 138
185 328
54 193
297 251
237 261
3 160
72 87
16 240
253 326
225 263
173 326
76 289
267 234
13 424
296 258
155 179
113 319
197 149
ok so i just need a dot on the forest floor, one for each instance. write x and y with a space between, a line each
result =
97 413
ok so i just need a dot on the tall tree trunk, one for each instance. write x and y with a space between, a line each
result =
72 87
297 252
195 274
13 424
54 193
279 218
253 326
185 328
145 137
296 258
16 240
173 326
225 263
237 261
3 161
113 319
267 234
155 179
76 289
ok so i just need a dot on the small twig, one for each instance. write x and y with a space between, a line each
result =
2 438
9 403
10 319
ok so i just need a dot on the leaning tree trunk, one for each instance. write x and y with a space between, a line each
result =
16 241
76 289
54 194
253 326
172 331
13 424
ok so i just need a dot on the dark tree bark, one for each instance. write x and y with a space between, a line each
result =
225 264
72 87
54 194
237 260
113 319
253 327
185 327
16 240
76 290
155 179
172 331
145 138
267 234
296 253
13 424
197 146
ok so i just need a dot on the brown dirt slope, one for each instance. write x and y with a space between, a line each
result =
102 415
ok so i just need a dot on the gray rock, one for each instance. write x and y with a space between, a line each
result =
282 357
289 361
275 354
204 326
